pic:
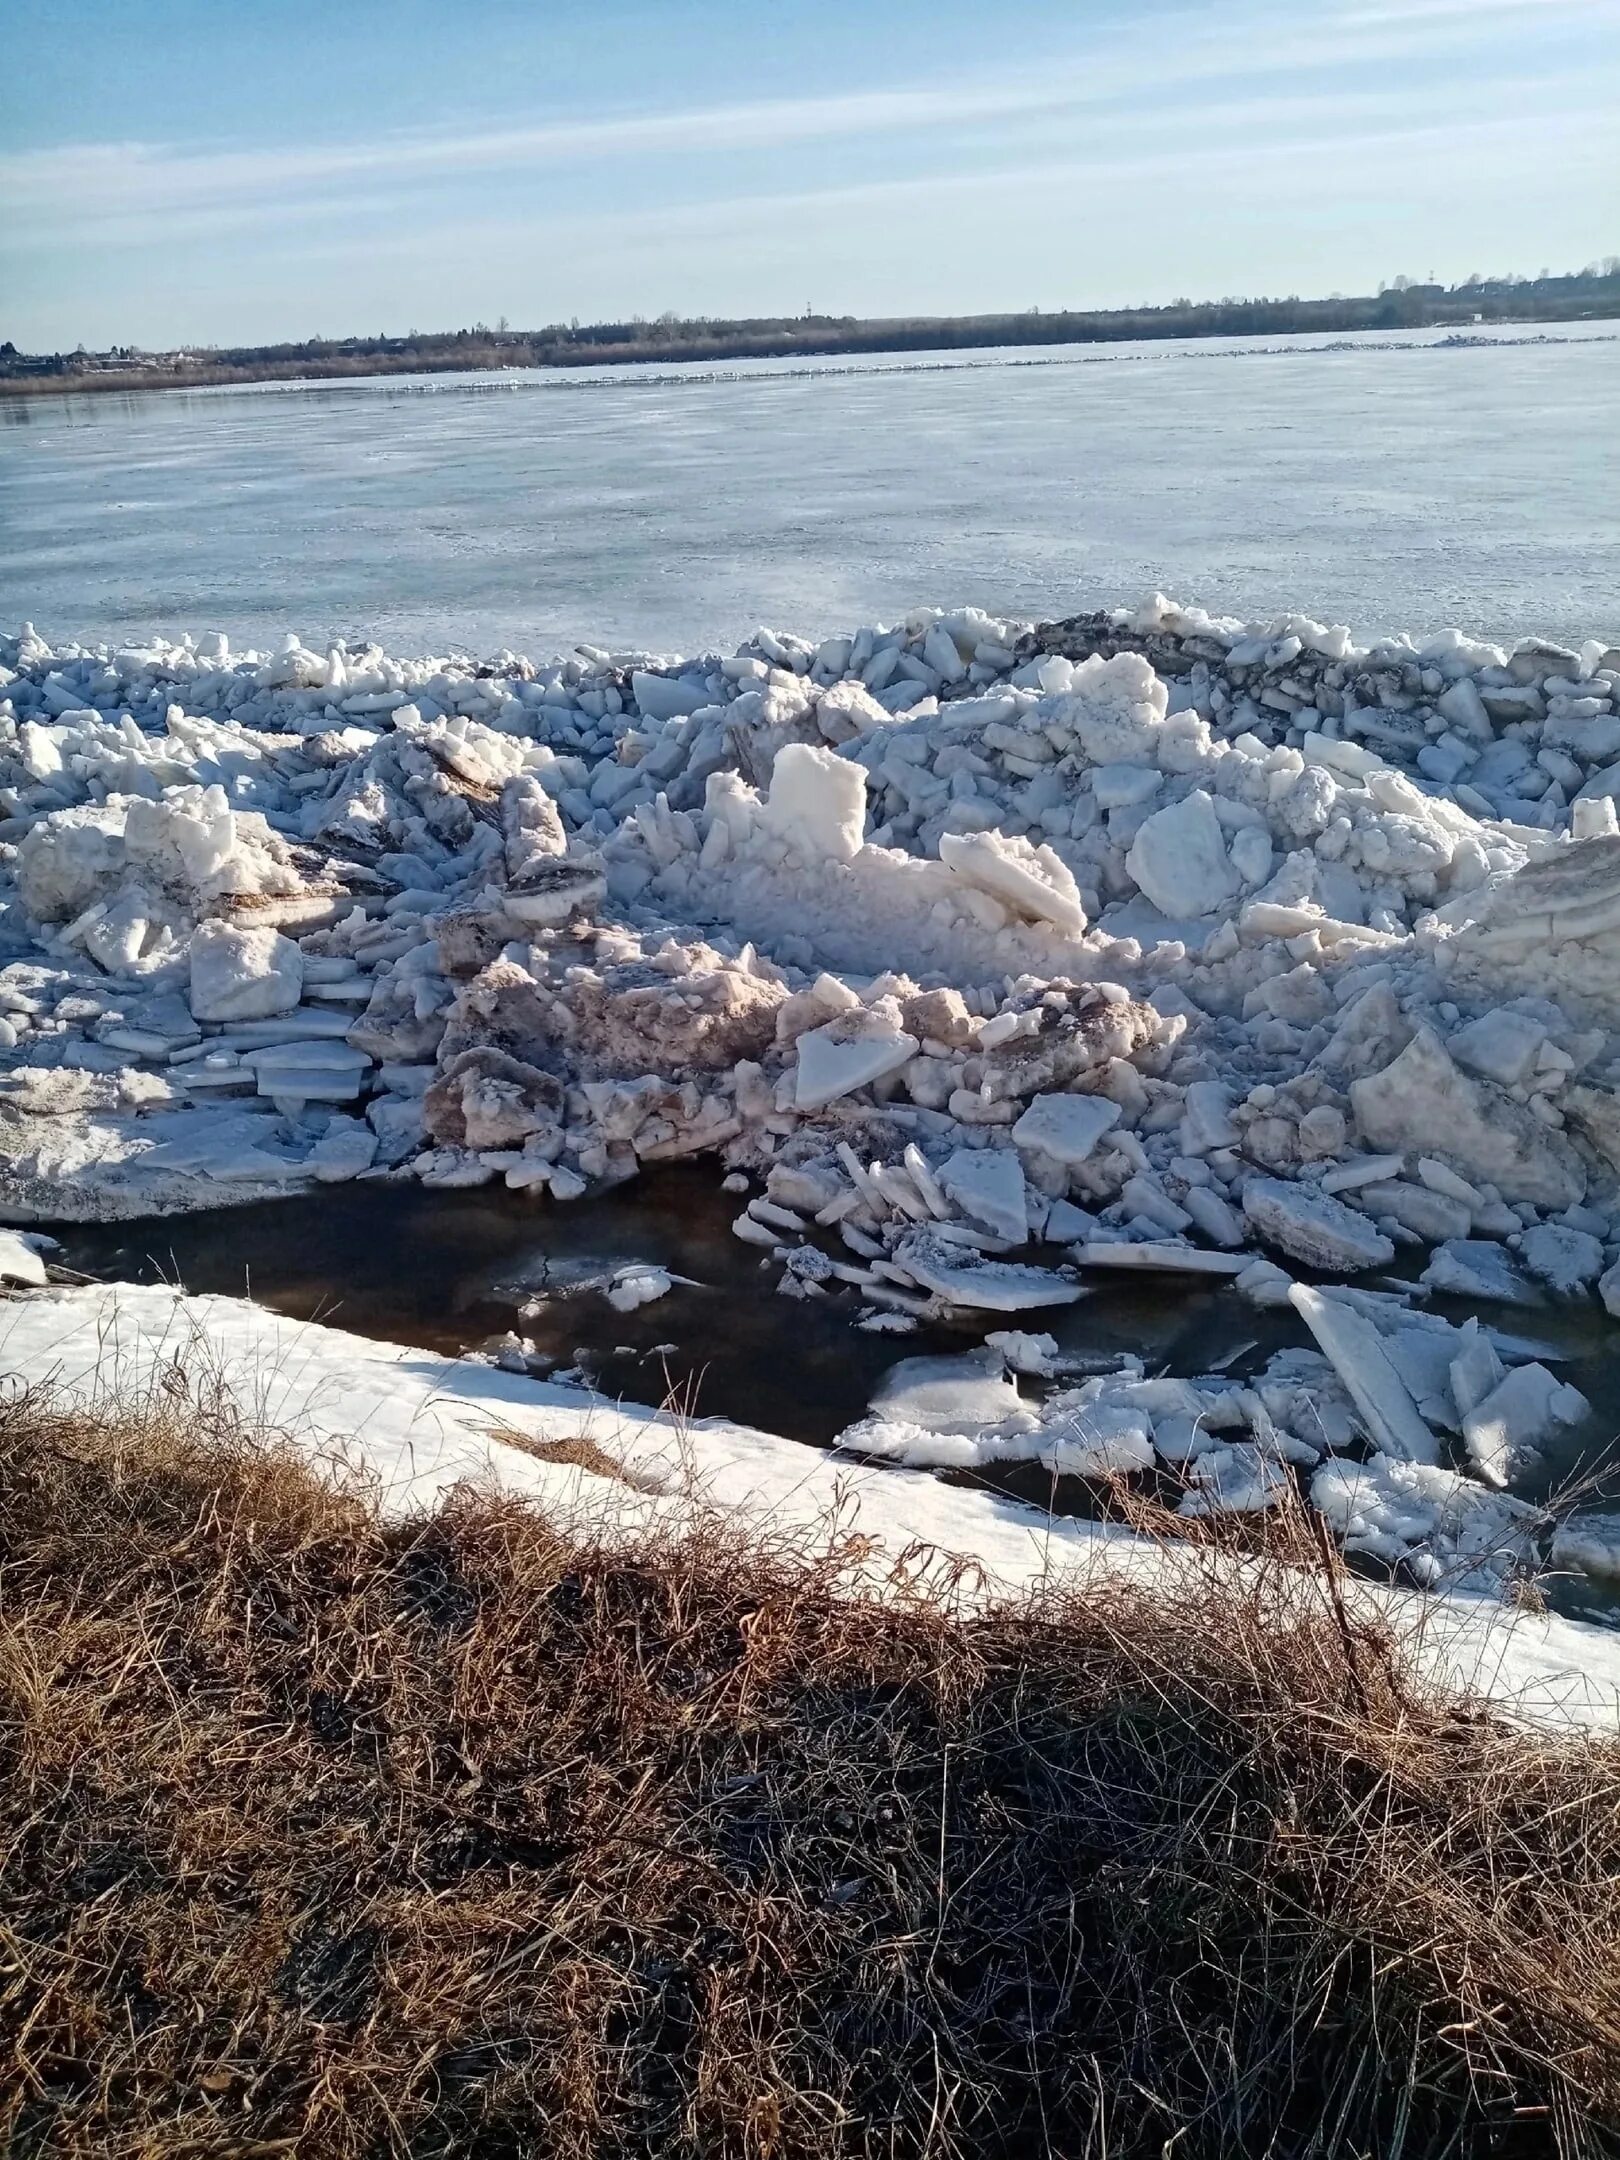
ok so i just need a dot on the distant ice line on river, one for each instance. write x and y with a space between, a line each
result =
654 376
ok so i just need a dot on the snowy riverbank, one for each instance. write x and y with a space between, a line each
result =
411 1427
983 957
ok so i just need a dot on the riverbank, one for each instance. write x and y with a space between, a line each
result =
1525 303
987 962
674 1844
410 1430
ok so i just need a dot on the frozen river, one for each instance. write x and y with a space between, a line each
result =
1392 481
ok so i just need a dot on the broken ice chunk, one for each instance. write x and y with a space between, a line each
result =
1119 787
1448 1530
1591 1543
1567 1261
1361 1170
1423 1356
1499 1045
1430 1215
19 1261
848 1053
638 1285
1034 1354
1065 1127
988 1184
988 1285
1033 881
966 1394
250 974
551 889
1178 1440
1475 1369
1264 1284
1206 1118
1161 1255
666 697
345 1150
531 824
923 1178
1085 1435
1508 1433
1314 1228
308 1071
1238 1478
1116 707
1393 1422
1179 859
817 803
919 1447
1424 1100
1476 1268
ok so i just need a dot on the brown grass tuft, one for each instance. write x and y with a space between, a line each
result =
322 1836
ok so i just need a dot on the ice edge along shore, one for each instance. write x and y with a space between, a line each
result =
409 1427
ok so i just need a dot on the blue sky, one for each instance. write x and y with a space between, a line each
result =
212 171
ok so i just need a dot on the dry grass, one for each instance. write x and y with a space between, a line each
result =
320 1836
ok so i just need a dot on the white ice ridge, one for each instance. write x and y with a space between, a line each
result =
412 1426
1154 940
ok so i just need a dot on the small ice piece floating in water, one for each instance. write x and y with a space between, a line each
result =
954 1394
983 1285
991 961
633 1287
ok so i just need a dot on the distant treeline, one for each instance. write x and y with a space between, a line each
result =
1404 304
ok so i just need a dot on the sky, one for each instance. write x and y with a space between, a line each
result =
192 172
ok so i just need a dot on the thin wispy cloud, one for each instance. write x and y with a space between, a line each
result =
1419 14
120 176
725 216
89 182
1116 147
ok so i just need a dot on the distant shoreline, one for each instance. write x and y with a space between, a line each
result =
1585 299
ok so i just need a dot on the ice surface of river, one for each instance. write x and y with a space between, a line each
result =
1393 481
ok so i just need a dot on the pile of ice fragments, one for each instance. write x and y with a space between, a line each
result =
985 958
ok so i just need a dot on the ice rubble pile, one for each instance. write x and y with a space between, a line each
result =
1157 940
1386 1374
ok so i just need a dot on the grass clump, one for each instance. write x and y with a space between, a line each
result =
327 1835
